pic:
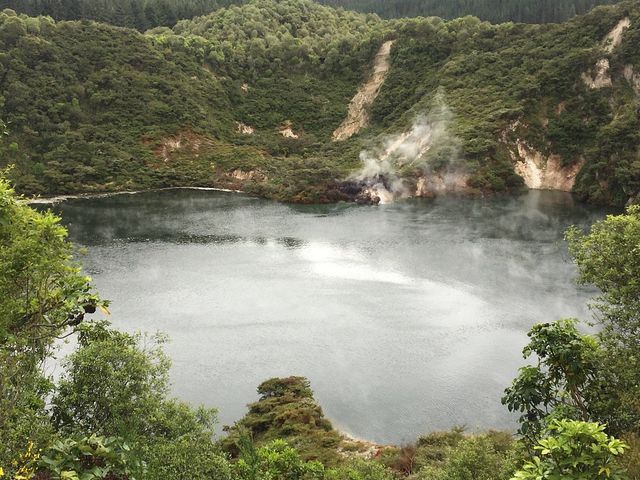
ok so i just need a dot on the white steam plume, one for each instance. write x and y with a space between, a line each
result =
428 145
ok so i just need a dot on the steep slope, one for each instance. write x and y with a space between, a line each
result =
358 113
250 97
513 98
86 104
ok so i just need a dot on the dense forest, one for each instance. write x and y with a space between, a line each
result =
145 14
108 415
527 11
139 14
248 97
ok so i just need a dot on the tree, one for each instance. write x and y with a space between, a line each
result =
116 384
608 257
475 458
573 450
559 384
43 296
274 461
113 383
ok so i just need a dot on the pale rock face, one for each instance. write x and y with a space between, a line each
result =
184 141
540 173
632 77
358 115
434 184
380 192
244 129
614 37
243 175
600 78
288 132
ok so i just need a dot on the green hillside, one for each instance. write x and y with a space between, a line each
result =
248 97
527 11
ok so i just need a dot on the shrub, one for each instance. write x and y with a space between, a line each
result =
574 450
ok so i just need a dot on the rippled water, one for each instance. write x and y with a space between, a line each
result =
406 318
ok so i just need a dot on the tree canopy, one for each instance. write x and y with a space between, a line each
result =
527 11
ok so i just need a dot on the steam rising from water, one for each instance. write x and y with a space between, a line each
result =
427 147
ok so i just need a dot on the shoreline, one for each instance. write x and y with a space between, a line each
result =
62 198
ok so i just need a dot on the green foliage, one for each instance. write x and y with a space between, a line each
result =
483 457
574 450
114 383
609 258
43 296
287 410
102 97
117 384
528 11
87 458
275 460
558 385
630 462
191 455
139 14
360 470
111 109
264 36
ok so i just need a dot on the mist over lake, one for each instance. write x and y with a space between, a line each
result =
407 318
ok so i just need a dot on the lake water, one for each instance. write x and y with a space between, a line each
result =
407 318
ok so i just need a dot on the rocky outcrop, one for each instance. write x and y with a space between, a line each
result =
186 142
435 184
244 129
382 189
614 37
244 175
599 77
632 77
286 130
358 113
288 133
544 173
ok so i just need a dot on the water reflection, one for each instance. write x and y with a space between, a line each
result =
406 317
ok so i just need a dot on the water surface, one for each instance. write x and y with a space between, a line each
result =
406 318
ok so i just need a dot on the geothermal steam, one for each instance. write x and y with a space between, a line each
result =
427 147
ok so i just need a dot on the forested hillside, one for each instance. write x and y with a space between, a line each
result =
249 97
144 14
528 11
139 14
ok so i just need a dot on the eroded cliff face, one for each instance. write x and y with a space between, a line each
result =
184 142
600 75
358 113
544 173
244 129
442 183
632 77
614 37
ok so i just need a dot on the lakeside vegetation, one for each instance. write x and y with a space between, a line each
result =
248 97
112 109
109 414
